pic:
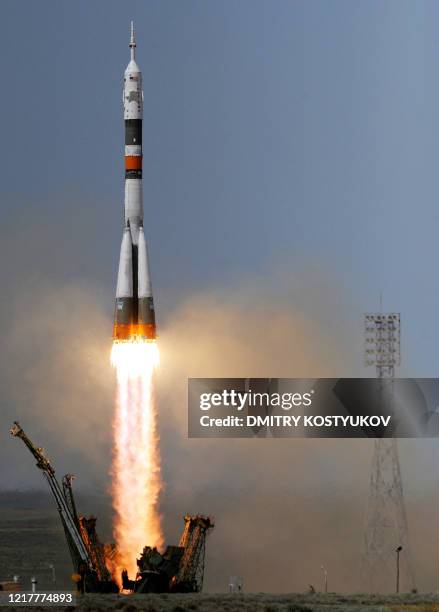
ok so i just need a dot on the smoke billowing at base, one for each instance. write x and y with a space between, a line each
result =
301 502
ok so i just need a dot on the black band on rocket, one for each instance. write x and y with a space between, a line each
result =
133 132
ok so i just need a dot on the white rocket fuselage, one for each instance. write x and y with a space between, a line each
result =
134 317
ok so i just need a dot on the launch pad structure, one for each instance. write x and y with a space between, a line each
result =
180 569
386 528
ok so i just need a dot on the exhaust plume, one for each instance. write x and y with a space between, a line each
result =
136 461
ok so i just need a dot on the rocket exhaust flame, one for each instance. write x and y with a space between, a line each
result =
136 462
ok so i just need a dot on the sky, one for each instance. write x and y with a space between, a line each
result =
273 136
289 171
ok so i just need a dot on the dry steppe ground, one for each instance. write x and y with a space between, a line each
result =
257 602
31 539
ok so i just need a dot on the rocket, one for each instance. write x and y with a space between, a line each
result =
134 316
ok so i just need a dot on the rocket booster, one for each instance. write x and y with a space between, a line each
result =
134 316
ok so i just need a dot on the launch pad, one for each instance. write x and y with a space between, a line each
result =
180 569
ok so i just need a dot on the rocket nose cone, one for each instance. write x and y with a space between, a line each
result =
132 67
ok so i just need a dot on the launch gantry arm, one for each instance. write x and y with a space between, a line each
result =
193 540
42 462
78 550
68 496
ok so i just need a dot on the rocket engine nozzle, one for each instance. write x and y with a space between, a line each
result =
134 333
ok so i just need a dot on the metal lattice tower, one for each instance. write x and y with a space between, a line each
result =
386 523
193 540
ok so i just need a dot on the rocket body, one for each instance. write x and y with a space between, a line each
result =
134 317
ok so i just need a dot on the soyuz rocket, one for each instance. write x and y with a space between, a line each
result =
134 317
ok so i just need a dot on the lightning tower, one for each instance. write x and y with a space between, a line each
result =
386 523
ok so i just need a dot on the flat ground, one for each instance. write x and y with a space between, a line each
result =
32 539
257 602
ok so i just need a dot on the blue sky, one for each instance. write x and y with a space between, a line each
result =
276 134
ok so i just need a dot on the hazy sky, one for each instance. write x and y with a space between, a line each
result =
282 132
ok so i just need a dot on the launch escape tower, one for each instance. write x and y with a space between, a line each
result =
386 523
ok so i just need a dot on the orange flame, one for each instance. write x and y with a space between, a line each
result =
136 462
